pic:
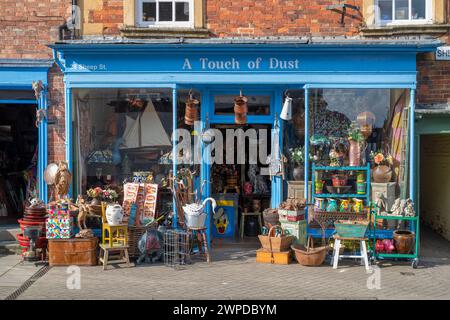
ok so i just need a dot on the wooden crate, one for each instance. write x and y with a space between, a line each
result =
265 256
66 252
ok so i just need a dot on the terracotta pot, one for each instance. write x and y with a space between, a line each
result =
339 180
298 173
240 118
354 153
240 110
382 174
404 241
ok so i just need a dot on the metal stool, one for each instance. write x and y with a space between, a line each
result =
337 246
200 237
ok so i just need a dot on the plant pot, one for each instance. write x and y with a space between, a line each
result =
339 180
95 202
298 173
382 174
354 154
404 241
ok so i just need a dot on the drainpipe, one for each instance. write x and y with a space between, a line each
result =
65 28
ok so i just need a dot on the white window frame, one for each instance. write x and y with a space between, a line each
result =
173 23
428 15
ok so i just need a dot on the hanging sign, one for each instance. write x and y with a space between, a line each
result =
443 53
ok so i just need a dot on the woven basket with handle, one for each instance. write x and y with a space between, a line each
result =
309 256
276 244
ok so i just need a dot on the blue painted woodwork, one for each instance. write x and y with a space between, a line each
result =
19 75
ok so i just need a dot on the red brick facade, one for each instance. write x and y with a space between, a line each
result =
27 26
227 18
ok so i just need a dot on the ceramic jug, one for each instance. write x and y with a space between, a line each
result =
114 214
332 205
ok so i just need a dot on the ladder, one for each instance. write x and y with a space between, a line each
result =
404 163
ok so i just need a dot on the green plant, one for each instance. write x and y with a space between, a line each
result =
297 155
354 133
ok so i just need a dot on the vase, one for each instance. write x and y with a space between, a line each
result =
114 214
95 202
298 173
354 154
332 205
382 174
404 241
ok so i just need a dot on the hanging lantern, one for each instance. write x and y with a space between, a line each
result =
240 109
366 121
191 114
286 112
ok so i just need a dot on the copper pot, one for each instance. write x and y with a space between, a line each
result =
240 118
354 153
191 114
404 241
240 109
382 174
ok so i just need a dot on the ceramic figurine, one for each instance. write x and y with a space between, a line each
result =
396 209
381 203
409 210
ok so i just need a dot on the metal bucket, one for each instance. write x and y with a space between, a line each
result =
195 220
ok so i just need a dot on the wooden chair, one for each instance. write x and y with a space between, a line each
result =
199 235
113 235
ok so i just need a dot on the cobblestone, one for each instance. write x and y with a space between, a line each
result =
234 274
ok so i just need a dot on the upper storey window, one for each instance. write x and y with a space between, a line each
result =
391 12
165 13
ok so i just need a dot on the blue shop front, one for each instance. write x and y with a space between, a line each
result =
125 102
23 134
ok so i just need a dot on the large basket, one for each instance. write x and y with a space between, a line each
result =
134 235
276 244
309 256
351 229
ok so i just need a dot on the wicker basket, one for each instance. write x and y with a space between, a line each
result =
276 244
134 235
310 256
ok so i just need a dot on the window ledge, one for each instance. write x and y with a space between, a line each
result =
405 30
159 32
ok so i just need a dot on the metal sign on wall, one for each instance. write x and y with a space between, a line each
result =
443 53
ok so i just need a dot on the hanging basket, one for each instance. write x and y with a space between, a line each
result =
191 114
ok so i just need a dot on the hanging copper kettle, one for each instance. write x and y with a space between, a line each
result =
240 109
191 114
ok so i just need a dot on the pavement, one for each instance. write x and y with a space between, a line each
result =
234 274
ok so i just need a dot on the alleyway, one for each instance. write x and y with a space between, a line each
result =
234 274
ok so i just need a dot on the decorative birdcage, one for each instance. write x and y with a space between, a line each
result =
176 248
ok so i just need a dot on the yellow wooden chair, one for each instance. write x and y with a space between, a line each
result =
111 235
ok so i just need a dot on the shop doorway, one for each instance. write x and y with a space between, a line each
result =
239 172
435 183
18 158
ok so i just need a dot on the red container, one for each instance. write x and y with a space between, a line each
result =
339 180
23 223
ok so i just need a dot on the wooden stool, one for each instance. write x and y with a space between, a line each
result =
337 246
113 235
242 224
105 257
200 237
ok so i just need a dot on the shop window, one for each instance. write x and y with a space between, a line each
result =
257 104
166 13
120 135
378 116
391 12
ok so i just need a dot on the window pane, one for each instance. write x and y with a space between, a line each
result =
385 9
401 10
149 11
418 9
182 11
256 105
165 11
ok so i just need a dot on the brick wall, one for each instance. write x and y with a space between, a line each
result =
278 18
26 28
103 16
434 76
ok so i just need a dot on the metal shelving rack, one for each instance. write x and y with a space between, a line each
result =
317 233
414 227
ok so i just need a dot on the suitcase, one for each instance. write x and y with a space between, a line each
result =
66 252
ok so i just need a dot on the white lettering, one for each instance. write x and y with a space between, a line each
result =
187 64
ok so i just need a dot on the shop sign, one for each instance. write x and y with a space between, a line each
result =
443 53
233 64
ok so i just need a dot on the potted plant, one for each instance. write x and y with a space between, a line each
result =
96 195
382 172
355 138
297 156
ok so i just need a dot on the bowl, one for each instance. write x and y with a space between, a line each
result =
338 190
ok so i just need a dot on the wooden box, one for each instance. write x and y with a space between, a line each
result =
66 252
265 256
296 190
